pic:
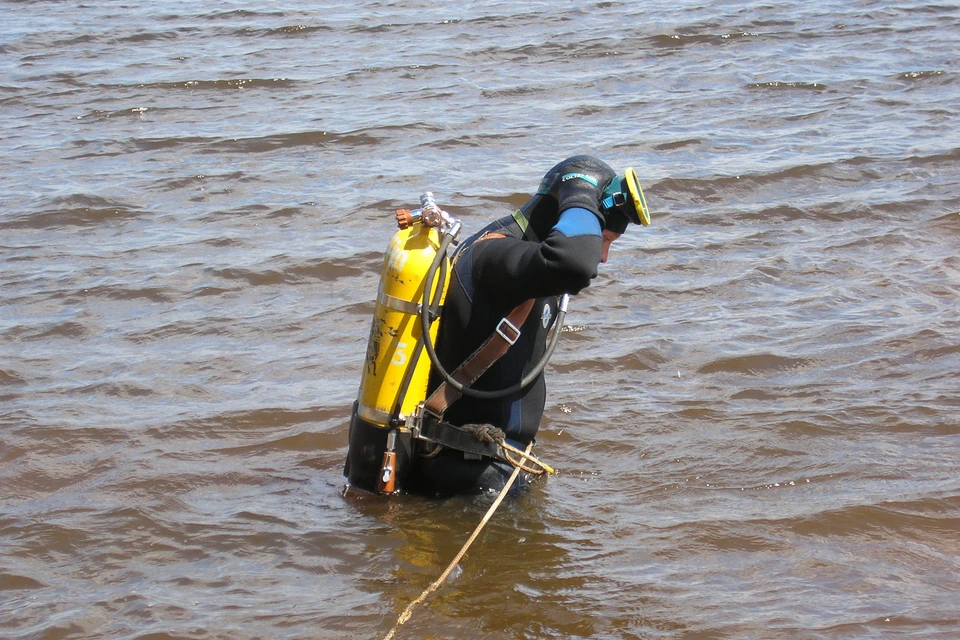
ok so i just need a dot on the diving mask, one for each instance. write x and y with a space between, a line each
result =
623 202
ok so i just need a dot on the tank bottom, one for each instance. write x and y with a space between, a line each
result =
368 442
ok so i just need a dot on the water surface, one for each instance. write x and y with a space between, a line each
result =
753 411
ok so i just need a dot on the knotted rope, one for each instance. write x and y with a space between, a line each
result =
493 435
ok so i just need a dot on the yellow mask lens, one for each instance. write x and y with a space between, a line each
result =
636 193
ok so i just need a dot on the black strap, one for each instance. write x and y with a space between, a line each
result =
459 438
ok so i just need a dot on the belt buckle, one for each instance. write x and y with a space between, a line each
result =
506 324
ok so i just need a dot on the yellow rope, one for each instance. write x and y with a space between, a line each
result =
439 581
493 435
544 467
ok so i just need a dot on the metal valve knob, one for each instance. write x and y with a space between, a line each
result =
404 218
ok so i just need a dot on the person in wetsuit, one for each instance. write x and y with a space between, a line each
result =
550 246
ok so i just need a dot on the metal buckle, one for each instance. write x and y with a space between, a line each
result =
617 199
416 419
504 323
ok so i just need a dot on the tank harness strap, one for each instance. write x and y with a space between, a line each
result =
507 333
524 225
482 440
460 438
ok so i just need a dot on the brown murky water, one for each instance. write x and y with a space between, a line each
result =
755 410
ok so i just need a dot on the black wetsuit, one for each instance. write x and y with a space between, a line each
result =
558 254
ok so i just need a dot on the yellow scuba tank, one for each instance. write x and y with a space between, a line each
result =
395 330
395 377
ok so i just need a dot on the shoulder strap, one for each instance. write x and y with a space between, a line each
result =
524 225
507 333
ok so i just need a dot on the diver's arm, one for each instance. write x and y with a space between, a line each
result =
564 262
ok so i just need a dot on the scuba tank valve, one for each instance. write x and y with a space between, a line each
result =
428 215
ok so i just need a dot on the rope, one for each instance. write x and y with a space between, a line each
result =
544 468
485 432
493 435
433 453
443 577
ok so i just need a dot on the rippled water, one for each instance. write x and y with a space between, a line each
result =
754 409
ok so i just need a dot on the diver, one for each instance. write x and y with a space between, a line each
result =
551 246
